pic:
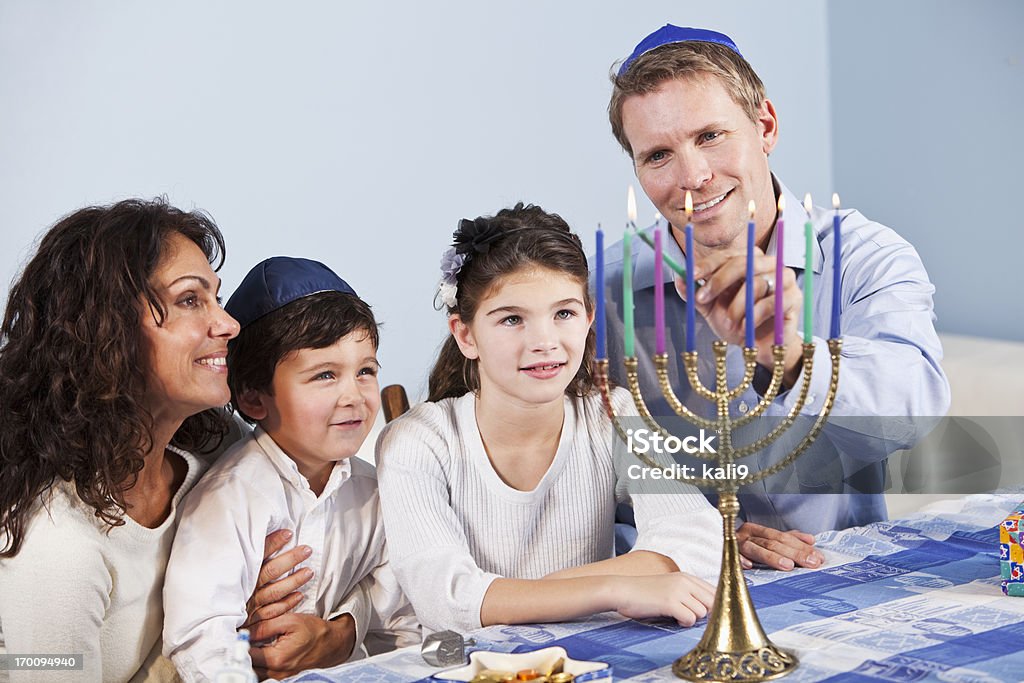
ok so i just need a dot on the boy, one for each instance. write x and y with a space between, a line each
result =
304 369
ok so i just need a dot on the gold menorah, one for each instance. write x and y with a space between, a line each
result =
734 647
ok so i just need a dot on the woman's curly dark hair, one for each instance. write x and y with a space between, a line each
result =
73 360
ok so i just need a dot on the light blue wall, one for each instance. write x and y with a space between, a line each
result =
357 133
928 100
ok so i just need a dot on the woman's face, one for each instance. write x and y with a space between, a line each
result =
187 352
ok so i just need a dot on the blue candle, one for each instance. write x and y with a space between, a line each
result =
599 321
749 322
837 262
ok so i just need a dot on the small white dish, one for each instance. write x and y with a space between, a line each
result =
539 660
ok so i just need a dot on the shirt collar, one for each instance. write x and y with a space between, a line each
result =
794 217
289 471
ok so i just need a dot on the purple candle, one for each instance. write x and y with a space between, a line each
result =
779 225
599 321
659 294
749 321
837 261
808 272
691 289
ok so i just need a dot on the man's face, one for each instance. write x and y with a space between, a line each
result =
689 134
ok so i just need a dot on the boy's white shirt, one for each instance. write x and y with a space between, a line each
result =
252 490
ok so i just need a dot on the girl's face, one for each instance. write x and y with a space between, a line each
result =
528 336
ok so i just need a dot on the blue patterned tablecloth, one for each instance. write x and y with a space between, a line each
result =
915 599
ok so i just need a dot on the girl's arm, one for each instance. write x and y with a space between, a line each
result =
679 596
637 563
674 521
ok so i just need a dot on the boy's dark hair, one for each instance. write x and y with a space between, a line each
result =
312 322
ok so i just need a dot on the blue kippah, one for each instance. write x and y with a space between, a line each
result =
677 34
278 281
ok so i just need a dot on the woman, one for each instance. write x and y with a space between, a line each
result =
112 374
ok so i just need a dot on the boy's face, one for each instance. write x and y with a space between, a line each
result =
324 404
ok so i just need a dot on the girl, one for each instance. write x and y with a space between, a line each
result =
499 493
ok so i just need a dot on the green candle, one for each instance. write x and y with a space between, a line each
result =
808 270
627 291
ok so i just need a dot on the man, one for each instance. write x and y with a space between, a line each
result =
693 116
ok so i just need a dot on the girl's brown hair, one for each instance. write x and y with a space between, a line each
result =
519 238
73 361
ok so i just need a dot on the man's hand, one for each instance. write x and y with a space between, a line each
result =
777 549
722 302
301 642
273 595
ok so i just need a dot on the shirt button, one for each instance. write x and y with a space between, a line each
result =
810 399
744 407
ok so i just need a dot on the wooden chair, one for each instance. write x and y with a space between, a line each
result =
394 401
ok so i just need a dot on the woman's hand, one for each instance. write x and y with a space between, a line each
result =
274 595
682 597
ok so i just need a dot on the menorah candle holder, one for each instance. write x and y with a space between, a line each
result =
734 646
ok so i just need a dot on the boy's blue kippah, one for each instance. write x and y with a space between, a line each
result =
677 34
278 281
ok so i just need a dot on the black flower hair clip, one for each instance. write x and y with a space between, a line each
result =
475 236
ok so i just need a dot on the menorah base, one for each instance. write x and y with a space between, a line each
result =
734 647
763 664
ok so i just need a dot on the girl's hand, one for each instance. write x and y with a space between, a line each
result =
682 597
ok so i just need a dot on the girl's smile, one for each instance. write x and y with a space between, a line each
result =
543 370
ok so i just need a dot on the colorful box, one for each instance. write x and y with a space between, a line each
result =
1011 553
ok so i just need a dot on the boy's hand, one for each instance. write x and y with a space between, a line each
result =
273 595
301 642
